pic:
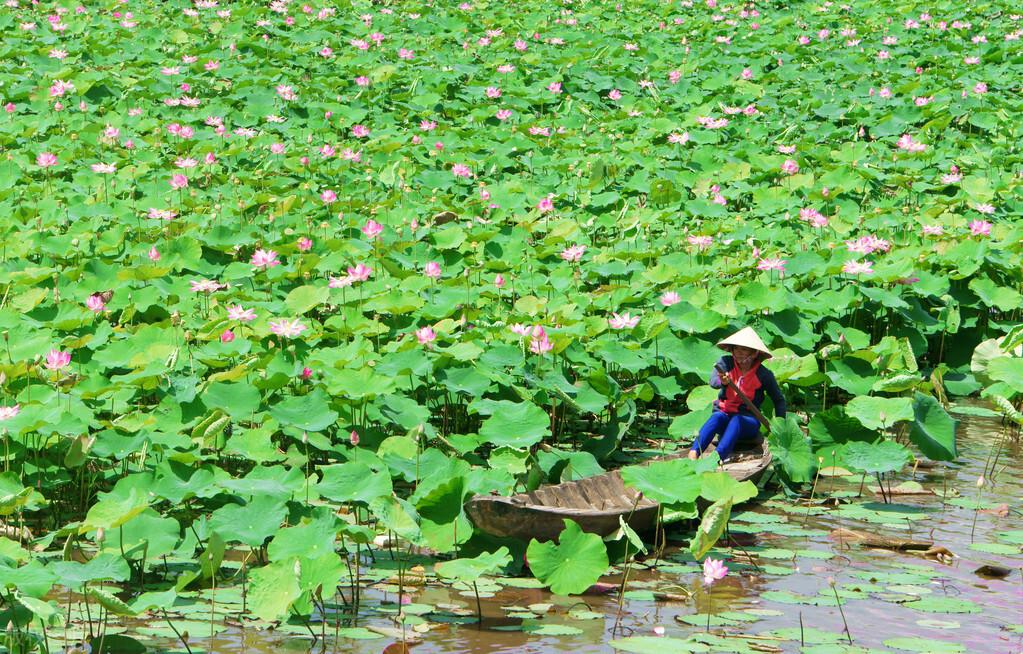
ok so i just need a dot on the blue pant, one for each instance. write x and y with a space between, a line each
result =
731 427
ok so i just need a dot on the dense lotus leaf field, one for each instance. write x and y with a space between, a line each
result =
283 284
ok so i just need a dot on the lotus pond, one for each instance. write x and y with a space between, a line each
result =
284 284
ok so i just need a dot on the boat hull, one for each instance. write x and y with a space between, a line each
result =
594 503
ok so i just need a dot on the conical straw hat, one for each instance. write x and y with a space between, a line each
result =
746 337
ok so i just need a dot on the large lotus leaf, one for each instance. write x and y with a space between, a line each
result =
689 355
469 570
657 645
106 566
272 589
516 424
321 572
713 524
252 523
358 384
791 449
997 297
570 566
1007 369
933 430
787 366
276 481
983 354
439 495
159 534
399 516
237 400
715 486
311 538
872 458
35 580
879 412
834 427
304 298
353 482
113 511
852 374
13 494
675 481
310 412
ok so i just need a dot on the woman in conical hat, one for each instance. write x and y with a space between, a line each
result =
731 419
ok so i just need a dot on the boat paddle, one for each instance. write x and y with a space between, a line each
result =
742 396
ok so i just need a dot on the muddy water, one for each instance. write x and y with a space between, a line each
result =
768 593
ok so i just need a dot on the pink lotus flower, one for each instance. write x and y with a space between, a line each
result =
499 280
264 259
286 93
790 167
858 268
306 373
669 298
178 181
305 244
328 197
980 228
680 139
277 148
985 208
623 321
713 570
702 242
503 114
772 264
425 335
360 272
545 205
226 336
461 170
554 87
95 303
340 282
980 88
153 254
103 168
573 253
540 343
60 87
287 328
236 312
46 159
933 230
372 229
907 143
205 286
432 270
353 438
615 94
57 359
360 131
520 329
8 412
493 92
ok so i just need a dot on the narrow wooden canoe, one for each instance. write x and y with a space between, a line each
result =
595 503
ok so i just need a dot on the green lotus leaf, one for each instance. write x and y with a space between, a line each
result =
573 564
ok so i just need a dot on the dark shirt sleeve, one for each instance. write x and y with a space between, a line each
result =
770 386
715 379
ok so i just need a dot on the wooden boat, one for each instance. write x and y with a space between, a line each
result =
595 503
